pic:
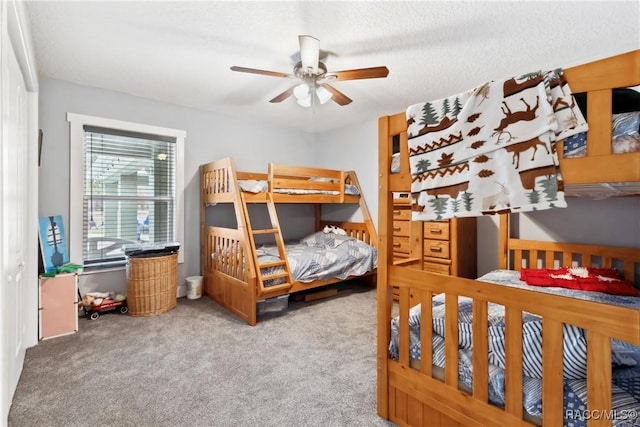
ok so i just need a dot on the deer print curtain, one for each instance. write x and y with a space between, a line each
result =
491 149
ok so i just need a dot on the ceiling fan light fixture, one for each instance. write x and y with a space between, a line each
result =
302 94
323 94
301 91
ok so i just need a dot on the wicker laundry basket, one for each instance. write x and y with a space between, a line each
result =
152 284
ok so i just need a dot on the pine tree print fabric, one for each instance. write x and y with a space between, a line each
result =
491 149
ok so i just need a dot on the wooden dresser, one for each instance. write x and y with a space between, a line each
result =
446 247
450 247
401 228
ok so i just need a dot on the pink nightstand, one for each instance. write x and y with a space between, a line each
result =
58 305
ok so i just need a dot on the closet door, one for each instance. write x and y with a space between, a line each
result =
13 213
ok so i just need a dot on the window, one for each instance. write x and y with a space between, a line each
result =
126 182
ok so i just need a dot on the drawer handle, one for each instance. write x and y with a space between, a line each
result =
396 228
435 249
435 231
396 212
396 245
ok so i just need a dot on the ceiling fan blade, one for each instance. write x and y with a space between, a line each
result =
360 73
261 72
337 96
309 53
284 95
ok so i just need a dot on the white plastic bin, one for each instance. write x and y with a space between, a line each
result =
194 287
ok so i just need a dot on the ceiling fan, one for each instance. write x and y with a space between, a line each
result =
314 77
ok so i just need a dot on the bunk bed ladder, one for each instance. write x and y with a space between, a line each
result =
282 271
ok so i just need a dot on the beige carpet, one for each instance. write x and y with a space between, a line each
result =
312 365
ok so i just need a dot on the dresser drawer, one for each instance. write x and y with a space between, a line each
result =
401 245
434 267
401 228
401 214
436 248
436 230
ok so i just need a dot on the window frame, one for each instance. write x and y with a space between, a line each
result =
77 122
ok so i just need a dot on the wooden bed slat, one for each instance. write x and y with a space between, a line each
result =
451 340
480 351
598 384
426 331
513 350
552 408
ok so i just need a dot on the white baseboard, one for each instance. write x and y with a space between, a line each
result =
182 291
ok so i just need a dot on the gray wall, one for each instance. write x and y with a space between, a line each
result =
354 148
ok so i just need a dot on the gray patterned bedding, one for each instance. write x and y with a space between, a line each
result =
322 256
625 358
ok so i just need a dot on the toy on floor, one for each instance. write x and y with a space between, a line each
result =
94 303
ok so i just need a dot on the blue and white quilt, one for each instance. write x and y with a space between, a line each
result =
322 256
625 358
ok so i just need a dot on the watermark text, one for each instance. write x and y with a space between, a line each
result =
602 414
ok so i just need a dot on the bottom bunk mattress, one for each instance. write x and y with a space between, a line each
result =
625 357
321 256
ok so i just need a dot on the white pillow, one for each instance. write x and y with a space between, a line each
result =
322 179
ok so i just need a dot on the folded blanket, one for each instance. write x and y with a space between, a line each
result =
491 149
605 280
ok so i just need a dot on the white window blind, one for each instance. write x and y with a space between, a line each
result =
129 192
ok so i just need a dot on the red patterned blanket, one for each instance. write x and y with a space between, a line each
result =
605 280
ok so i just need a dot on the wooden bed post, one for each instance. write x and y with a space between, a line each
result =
503 238
203 211
385 223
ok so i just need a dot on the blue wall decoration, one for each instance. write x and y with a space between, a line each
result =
53 242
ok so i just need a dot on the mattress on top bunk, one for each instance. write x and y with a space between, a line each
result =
261 186
625 357
322 256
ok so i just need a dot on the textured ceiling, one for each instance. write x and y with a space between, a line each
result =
180 52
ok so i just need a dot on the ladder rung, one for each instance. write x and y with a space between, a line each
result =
275 288
265 231
272 264
274 276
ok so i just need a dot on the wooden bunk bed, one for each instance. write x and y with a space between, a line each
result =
423 394
235 275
